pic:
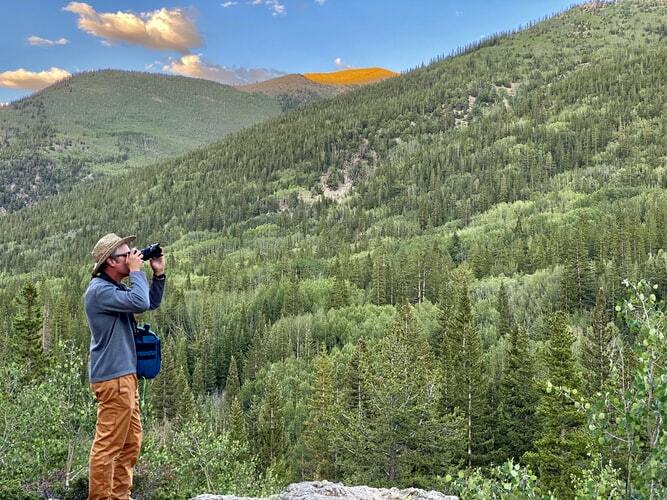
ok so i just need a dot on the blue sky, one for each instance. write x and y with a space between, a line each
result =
243 40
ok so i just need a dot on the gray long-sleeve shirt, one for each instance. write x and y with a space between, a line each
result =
109 307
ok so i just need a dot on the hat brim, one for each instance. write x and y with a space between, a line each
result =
108 253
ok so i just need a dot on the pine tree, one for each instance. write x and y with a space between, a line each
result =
356 396
293 300
339 294
379 280
560 447
597 348
271 437
456 249
353 415
237 428
203 376
232 386
28 332
403 433
449 339
322 429
577 281
465 376
505 319
170 395
517 422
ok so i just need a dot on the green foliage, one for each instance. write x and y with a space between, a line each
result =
271 437
322 430
170 395
560 447
506 321
630 416
395 431
47 426
517 422
464 384
183 463
232 385
597 347
599 481
28 330
506 481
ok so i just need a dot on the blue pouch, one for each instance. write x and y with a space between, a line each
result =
149 352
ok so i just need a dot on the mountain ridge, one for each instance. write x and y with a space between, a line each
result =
351 76
422 105
109 121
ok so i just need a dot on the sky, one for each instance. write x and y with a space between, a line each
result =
240 41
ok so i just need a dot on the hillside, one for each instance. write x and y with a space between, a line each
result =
429 118
293 91
108 122
395 287
354 76
297 90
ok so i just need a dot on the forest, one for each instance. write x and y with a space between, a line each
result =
454 279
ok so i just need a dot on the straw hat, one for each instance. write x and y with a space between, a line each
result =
105 247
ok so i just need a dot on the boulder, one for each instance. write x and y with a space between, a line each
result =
325 490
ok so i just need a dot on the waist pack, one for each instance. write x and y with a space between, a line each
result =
149 352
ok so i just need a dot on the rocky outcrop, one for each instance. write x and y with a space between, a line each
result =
325 490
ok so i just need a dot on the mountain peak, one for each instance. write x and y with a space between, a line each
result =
353 76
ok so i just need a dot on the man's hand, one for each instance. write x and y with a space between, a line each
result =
134 261
157 264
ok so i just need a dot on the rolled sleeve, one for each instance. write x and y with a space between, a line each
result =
134 300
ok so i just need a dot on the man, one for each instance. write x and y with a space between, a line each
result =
110 307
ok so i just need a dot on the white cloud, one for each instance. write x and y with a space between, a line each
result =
44 42
458 13
320 2
154 64
340 64
24 79
229 4
194 66
164 29
275 6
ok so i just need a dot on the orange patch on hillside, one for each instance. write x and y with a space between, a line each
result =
360 76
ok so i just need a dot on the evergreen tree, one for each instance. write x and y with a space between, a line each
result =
203 376
271 437
232 386
517 422
403 432
597 347
456 249
170 395
356 395
560 447
237 428
322 430
353 415
466 387
379 279
28 332
577 289
505 319
293 299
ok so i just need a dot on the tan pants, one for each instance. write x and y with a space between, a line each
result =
117 441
